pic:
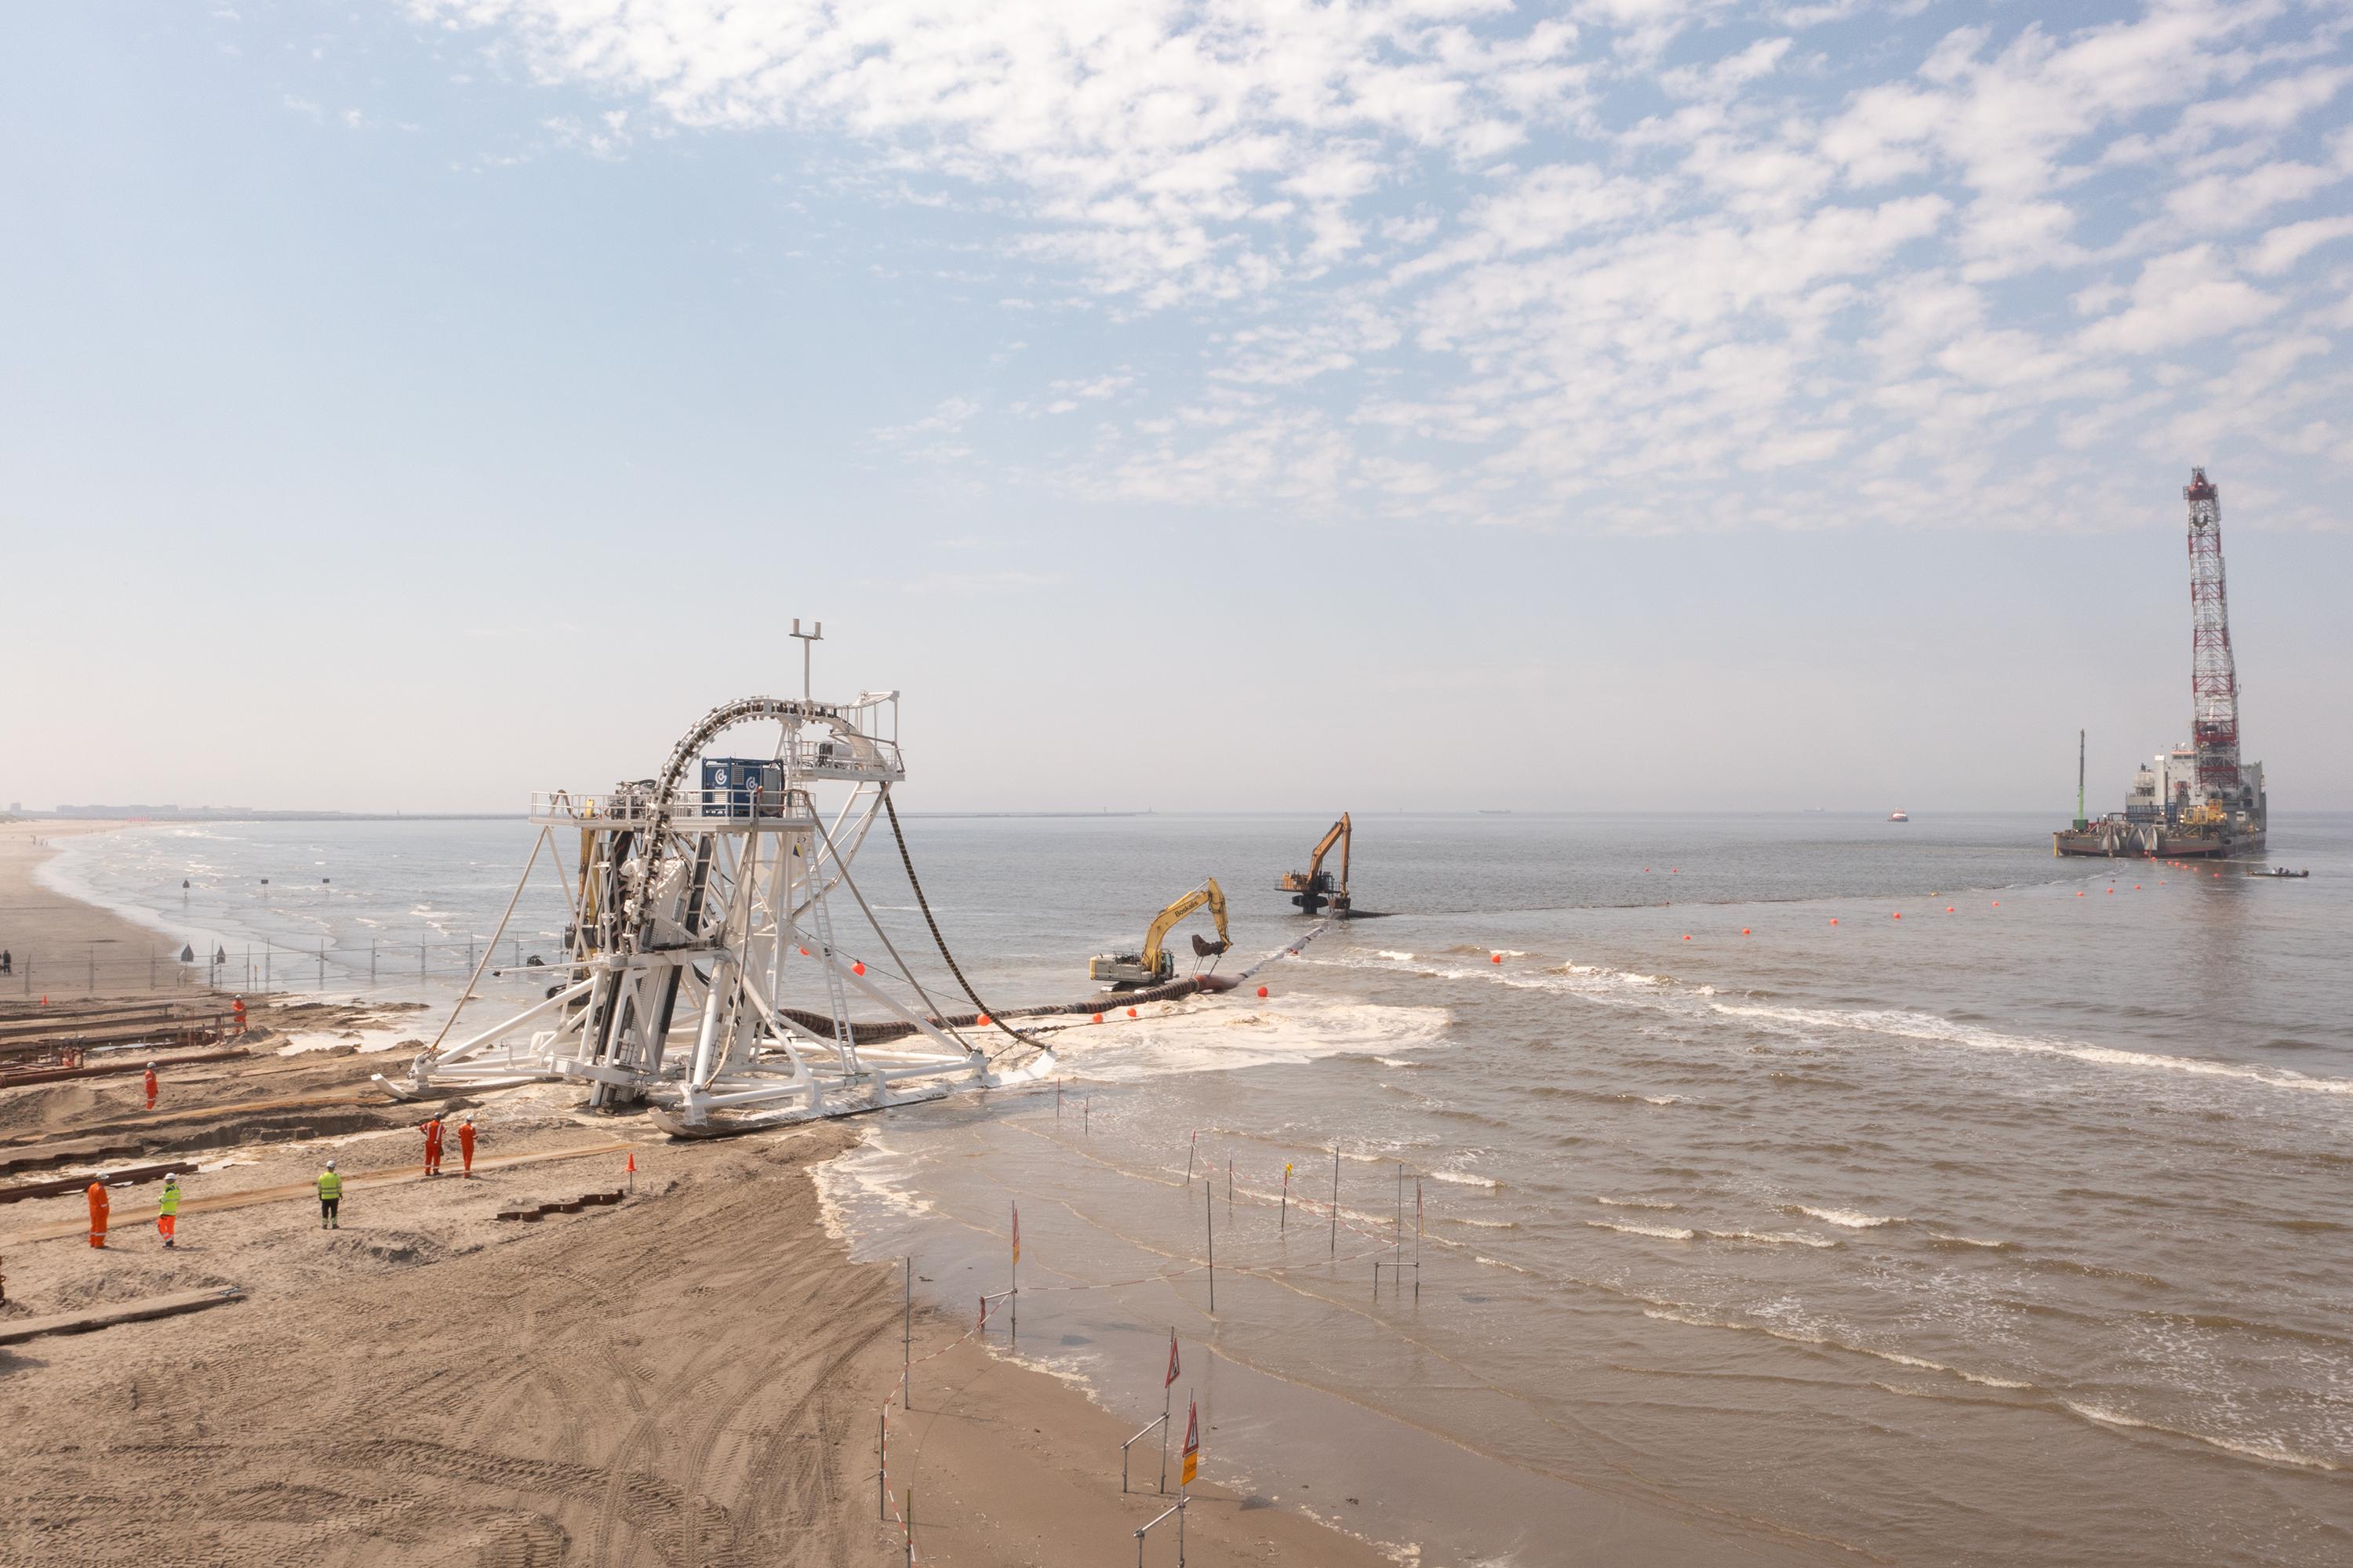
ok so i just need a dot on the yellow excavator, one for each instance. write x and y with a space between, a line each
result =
1314 888
1154 966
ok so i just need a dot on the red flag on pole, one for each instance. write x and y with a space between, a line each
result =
1192 1442
1171 1378
1016 1232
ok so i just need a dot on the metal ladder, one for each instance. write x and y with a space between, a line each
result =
844 1045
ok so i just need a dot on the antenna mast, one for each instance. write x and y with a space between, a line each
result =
2080 822
809 639
2213 677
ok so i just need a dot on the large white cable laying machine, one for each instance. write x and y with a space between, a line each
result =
703 978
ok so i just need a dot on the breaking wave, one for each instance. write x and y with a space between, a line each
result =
1664 1233
2263 1451
1771 1238
1904 1024
1852 1219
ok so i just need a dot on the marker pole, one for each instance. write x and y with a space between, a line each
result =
1336 1200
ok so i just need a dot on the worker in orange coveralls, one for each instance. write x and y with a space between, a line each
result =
466 1145
432 1127
97 1207
151 1085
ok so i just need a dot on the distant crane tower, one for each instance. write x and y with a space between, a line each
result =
2213 677
2204 798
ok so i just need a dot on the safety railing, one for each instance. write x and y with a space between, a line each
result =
1176 1507
1155 1424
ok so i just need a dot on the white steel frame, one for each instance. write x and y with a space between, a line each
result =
695 913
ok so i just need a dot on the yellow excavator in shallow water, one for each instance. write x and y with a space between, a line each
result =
1154 966
1314 888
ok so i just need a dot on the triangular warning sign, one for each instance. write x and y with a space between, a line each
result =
1171 1378
1192 1442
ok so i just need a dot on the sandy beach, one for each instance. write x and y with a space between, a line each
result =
61 944
692 1376
696 1374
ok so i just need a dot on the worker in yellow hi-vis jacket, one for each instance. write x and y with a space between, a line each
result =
331 1195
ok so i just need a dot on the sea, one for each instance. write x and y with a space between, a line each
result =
1695 1188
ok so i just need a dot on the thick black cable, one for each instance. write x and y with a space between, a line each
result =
842 866
942 942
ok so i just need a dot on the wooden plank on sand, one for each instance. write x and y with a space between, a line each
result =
128 1177
119 1312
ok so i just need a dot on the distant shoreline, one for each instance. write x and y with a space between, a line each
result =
122 818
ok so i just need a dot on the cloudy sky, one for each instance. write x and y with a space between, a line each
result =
1595 404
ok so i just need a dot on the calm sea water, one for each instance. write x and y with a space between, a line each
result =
2018 1229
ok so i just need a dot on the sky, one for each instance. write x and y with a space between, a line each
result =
1594 404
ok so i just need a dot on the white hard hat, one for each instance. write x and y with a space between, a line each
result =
330 1165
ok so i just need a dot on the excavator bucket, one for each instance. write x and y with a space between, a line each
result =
1207 949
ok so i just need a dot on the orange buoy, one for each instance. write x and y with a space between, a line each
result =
1495 958
2079 893
1097 1018
858 968
1261 990
1743 930
1833 919
1899 914
1948 909
805 953
983 1020
1686 936
1997 903
2136 887
1131 1012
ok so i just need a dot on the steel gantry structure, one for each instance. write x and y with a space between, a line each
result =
703 978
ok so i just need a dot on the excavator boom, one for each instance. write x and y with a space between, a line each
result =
1154 965
1209 893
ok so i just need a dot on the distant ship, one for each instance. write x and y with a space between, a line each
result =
1899 815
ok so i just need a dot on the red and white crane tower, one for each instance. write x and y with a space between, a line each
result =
2213 677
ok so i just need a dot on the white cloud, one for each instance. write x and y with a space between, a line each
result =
2225 202
2179 299
1148 135
2273 105
2284 247
1452 257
